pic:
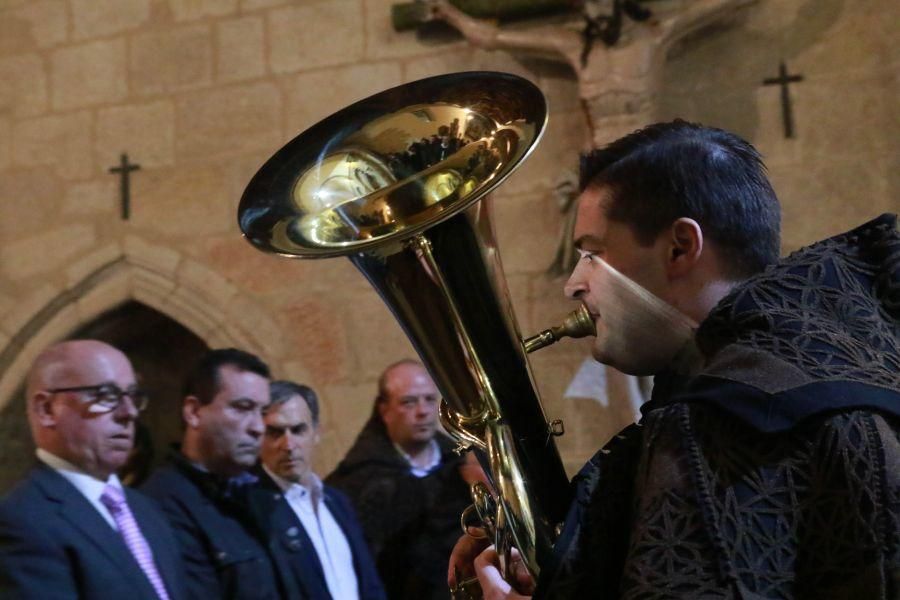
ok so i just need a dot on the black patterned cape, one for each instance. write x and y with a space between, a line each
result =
775 473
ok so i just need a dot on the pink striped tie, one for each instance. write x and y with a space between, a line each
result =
113 498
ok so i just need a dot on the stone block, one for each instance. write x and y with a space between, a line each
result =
100 18
342 275
764 18
251 5
58 327
96 197
24 89
183 306
45 252
858 41
230 336
315 335
375 338
528 228
13 378
15 35
207 282
459 59
189 10
154 298
226 122
316 33
258 323
107 294
296 371
841 194
31 301
88 74
60 142
92 262
263 273
145 131
241 168
30 198
240 49
383 42
7 303
346 408
152 257
328 453
153 284
865 125
33 24
171 60
5 142
315 95
195 195
53 141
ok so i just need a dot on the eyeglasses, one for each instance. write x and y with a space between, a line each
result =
107 397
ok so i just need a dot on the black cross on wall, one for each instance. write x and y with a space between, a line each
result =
125 170
784 80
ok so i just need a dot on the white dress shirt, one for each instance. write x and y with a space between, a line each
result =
327 536
89 486
433 461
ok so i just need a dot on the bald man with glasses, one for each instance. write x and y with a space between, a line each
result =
70 529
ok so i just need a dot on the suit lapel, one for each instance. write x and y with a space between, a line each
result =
74 508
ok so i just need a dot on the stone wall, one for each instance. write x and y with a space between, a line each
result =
201 92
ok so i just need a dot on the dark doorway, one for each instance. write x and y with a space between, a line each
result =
161 350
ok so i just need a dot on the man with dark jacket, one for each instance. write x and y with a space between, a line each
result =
311 530
407 484
70 529
766 462
203 488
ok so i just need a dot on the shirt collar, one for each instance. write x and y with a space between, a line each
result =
297 490
88 485
432 463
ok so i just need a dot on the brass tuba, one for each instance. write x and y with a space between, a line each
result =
393 182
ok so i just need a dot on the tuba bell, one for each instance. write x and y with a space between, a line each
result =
393 182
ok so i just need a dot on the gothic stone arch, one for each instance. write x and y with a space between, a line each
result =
186 291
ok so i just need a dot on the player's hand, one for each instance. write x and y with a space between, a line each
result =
494 587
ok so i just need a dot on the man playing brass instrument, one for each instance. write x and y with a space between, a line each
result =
767 463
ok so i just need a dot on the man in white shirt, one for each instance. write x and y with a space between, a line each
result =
70 529
311 529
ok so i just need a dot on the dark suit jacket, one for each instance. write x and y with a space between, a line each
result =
54 545
222 558
292 550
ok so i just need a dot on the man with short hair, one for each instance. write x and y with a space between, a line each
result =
313 535
407 484
203 488
765 463
70 529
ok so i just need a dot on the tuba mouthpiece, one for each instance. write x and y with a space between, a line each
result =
577 324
